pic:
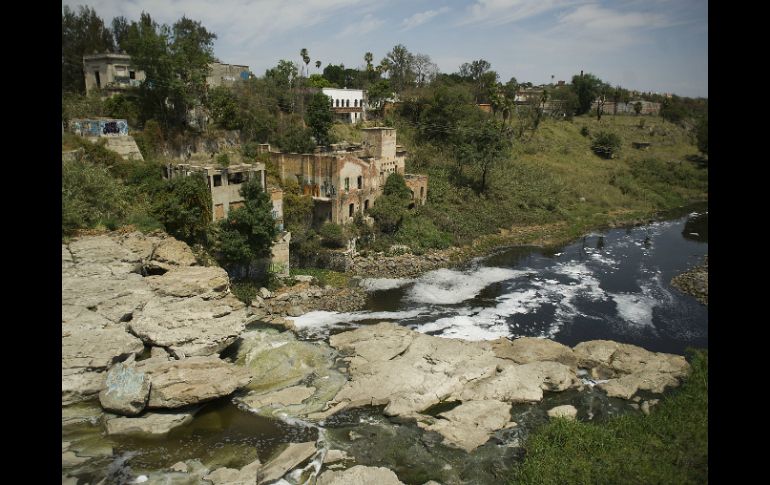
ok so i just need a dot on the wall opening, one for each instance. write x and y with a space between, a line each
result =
360 182
366 204
347 183
219 212
217 180
235 178
98 79
422 193
351 208
132 74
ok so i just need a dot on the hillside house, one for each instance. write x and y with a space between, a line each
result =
348 105
111 73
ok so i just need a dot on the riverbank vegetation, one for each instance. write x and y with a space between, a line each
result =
668 446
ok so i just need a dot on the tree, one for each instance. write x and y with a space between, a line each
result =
586 88
319 118
368 58
82 33
401 68
282 74
424 69
249 231
603 92
377 94
176 62
318 65
479 73
391 207
638 107
224 108
484 145
184 208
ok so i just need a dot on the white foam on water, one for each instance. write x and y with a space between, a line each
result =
377 284
604 259
318 320
447 286
635 308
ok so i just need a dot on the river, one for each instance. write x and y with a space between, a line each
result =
612 284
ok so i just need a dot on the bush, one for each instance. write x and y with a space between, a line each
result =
606 144
333 235
184 208
223 160
584 131
91 196
420 233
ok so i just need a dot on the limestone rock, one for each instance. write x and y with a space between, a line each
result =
180 467
247 475
608 359
470 424
159 353
192 380
81 386
522 383
172 252
284 397
359 475
567 411
190 326
155 423
528 349
289 458
126 390
97 349
187 281
625 387
335 456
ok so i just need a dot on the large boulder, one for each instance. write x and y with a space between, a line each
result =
470 424
359 475
97 349
190 326
292 456
126 390
566 411
192 380
248 475
529 349
170 253
187 281
522 383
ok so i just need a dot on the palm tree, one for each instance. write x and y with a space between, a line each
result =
305 58
368 57
317 65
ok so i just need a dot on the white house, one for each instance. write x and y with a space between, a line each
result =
347 104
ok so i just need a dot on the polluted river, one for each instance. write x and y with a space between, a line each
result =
612 284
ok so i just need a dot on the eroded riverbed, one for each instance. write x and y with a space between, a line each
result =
613 285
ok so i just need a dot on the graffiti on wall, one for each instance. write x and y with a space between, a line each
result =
99 127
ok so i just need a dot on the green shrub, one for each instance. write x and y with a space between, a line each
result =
584 131
91 196
606 144
419 233
223 160
184 208
333 236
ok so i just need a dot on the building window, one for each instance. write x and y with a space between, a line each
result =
351 208
422 192
235 178
98 79
360 182
217 180
355 103
337 103
347 184
132 74
366 204
347 103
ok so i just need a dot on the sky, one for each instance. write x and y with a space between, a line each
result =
647 45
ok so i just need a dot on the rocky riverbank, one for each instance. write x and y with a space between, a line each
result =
150 339
694 282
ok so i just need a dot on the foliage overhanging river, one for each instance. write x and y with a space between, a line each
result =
612 284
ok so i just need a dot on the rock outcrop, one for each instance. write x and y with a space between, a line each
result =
359 474
694 282
123 291
126 390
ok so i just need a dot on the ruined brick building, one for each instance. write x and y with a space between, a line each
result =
346 181
225 184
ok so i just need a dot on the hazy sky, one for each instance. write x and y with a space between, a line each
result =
649 45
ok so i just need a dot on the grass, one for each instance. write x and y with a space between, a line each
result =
553 176
668 446
324 276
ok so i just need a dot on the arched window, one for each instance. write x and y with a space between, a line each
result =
355 103
337 103
347 103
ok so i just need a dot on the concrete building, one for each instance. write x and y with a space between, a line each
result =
225 184
348 180
226 74
348 105
110 73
